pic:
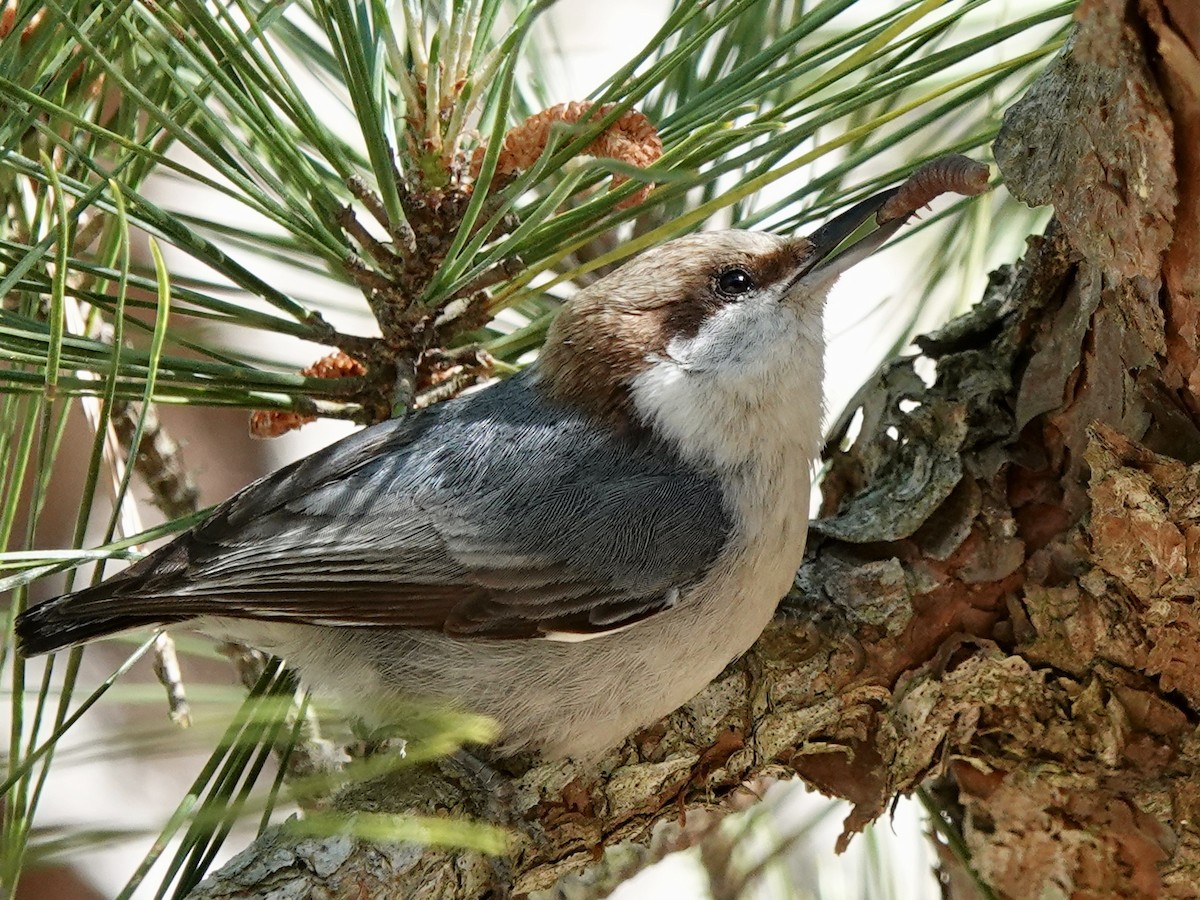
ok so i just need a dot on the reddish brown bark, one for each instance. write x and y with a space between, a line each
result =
1048 674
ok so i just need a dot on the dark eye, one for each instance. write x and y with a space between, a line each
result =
735 281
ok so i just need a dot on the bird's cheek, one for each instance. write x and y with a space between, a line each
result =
810 294
684 352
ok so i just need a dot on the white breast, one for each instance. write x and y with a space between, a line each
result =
741 399
746 388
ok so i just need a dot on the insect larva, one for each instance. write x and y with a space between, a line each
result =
954 173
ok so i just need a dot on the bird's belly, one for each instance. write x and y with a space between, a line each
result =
563 698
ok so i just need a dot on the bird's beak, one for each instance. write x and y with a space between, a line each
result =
823 264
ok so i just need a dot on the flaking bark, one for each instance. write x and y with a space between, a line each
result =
998 602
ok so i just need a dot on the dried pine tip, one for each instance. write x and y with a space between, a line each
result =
336 365
272 423
632 139
946 174
8 21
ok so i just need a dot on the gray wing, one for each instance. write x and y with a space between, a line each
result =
486 516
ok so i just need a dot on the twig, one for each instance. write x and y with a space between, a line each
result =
502 270
400 232
383 254
166 667
157 459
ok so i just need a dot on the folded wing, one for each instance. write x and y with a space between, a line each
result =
489 516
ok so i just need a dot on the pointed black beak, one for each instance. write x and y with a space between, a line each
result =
822 260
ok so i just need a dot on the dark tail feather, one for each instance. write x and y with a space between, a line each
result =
73 619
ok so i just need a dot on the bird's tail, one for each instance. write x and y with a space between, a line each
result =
79 617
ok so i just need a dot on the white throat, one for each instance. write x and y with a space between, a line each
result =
745 389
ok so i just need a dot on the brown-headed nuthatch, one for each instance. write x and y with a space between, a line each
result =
575 551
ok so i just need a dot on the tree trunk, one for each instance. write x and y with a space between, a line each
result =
1000 597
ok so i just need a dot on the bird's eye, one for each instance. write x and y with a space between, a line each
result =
735 281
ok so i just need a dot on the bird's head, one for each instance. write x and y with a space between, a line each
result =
703 329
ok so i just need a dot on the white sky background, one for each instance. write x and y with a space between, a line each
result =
594 39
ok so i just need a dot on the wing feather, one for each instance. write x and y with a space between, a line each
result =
489 516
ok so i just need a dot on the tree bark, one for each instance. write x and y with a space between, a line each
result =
999 599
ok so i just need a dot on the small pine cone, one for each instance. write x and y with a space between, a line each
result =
273 423
632 139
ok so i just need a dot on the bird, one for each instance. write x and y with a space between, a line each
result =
574 551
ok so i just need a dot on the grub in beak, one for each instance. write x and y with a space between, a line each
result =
891 208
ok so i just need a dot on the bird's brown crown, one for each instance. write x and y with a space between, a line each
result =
611 331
